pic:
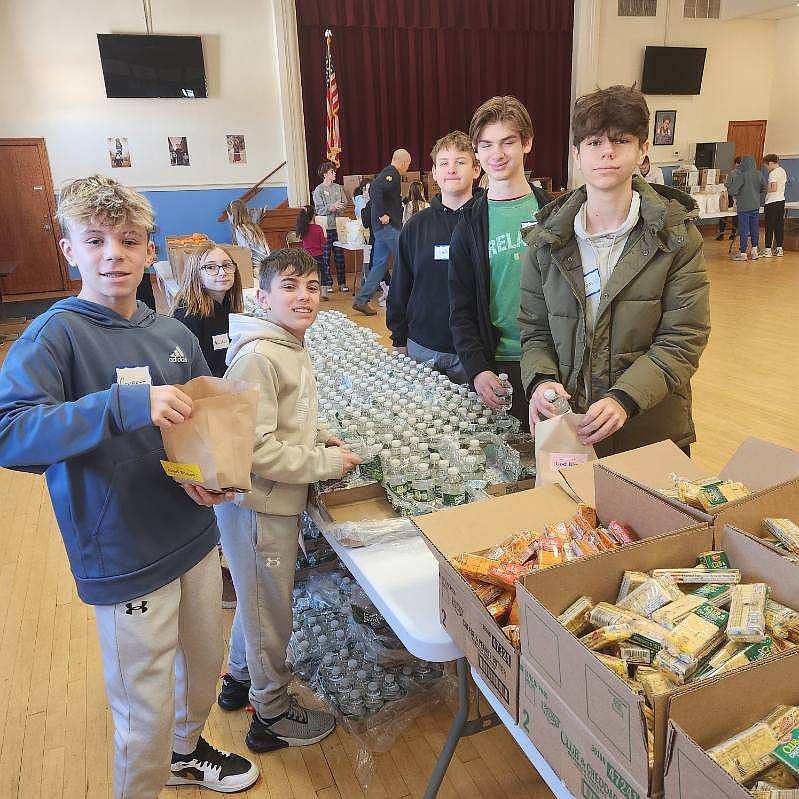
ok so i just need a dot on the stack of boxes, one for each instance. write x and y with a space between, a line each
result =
706 186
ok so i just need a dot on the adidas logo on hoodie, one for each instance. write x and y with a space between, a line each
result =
178 356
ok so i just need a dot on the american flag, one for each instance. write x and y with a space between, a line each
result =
331 97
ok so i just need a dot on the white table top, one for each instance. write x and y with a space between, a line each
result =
552 780
345 245
401 579
793 204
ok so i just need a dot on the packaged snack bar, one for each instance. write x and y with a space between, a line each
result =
635 655
649 596
715 559
653 682
476 567
669 616
785 531
708 494
697 634
514 635
575 617
749 654
605 636
506 574
748 753
621 532
748 612
767 790
513 614
485 593
500 608
676 670
629 582
780 776
604 614
698 575
716 595
781 621
617 665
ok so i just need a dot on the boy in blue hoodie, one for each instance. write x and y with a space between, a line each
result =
83 394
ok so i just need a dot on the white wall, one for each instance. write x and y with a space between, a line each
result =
739 69
782 133
51 86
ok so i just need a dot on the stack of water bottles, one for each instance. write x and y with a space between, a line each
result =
430 442
342 647
315 552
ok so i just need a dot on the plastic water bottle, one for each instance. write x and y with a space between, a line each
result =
423 487
352 705
476 450
397 478
392 690
453 491
560 403
374 697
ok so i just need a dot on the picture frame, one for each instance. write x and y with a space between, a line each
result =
178 151
665 124
118 152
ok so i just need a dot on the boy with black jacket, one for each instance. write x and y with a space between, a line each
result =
418 300
486 254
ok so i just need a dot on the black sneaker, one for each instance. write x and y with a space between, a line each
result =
234 694
214 769
298 726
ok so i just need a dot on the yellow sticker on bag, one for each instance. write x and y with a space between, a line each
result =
183 471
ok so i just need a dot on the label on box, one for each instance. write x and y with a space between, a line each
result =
183 471
134 376
560 460
788 753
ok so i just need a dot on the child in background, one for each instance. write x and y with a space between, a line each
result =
416 201
329 200
774 205
83 394
361 196
247 233
210 291
313 242
746 184
259 531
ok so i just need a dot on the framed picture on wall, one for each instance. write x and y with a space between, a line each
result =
236 149
178 151
665 122
118 151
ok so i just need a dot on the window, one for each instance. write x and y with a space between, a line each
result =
638 8
702 9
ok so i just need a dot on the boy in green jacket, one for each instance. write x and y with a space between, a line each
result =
614 295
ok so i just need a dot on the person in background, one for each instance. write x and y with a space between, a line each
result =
361 196
650 173
615 309
247 233
313 241
329 200
418 301
733 221
485 256
416 201
746 185
774 205
384 194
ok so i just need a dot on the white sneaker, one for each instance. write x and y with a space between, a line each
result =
212 768
740 256
753 254
766 253
779 252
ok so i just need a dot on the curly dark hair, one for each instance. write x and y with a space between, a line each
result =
615 110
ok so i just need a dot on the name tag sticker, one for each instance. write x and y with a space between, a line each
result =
189 472
134 376
221 342
559 460
441 252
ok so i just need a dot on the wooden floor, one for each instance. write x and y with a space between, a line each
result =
56 728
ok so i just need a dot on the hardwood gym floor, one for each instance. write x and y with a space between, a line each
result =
55 726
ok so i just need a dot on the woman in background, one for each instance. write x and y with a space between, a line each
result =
416 201
313 242
246 233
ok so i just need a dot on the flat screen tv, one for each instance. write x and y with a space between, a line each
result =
152 66
673 70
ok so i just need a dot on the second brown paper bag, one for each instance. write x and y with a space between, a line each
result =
557 445
214 446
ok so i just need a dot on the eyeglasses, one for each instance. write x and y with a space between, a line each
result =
214 269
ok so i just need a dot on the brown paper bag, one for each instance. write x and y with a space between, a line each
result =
557 446
213 447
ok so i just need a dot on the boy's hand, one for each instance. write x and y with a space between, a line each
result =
349 460
203 497
168 406
540 409
334 442
602 419
385 219
491 391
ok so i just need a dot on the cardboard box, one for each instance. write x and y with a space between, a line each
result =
758 464
708 177
351 504
471 528
738 701
611 712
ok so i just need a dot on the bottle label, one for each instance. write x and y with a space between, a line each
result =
451 500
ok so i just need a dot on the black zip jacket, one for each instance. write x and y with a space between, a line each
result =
473 334
205 328
384 195
418 302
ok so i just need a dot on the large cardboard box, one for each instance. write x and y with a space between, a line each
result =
471 528
611 712
758 464
715 712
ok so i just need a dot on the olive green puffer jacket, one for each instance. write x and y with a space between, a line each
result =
652 323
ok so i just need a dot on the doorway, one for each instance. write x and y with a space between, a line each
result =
30 258
749 137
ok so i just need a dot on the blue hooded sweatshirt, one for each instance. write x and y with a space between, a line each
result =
66 411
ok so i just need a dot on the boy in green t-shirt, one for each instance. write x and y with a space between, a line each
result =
487 250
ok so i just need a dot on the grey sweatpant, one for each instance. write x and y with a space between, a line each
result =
261 551
161 658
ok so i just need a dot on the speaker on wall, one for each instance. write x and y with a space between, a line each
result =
715 155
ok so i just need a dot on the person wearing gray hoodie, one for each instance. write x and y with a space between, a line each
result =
746 184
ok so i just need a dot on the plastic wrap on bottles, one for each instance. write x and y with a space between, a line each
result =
373 531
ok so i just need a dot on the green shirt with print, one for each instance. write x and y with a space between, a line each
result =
505 253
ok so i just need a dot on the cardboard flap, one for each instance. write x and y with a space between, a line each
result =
747 514
649 466
760 464
471 528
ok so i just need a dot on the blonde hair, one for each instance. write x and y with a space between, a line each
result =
240 219
502 109
457 140
98 199
193 295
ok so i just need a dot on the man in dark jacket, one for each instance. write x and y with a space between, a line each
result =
418 301
486 254
384 195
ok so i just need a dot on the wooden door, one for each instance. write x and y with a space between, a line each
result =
30 259
749 137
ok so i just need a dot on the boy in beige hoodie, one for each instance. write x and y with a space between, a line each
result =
260 530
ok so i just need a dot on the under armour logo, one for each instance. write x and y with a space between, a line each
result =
272 562
141 607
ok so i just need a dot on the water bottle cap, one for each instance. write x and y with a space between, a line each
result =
503 376
373 686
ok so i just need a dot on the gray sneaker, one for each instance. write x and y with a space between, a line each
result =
298 726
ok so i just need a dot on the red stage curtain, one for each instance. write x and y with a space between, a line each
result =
410 71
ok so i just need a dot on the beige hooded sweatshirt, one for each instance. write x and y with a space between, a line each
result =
289 447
